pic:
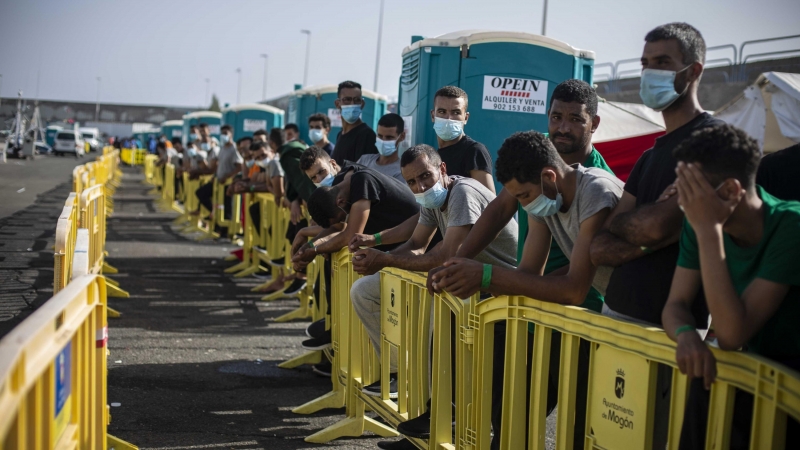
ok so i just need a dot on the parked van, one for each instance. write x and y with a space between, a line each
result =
68 141
91 136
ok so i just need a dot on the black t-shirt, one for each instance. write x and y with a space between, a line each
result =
466 155
358 141
392 202
778 171
328 148
639 288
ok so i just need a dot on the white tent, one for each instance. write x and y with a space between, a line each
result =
768 110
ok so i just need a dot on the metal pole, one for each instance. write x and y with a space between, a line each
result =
239 87
1 89
544 19
264 93
378 51
308 50
208 81
97 104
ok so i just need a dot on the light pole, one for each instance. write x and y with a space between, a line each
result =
308 50
264 93
97 103
378 53
544 19
1 89
239 87
208 86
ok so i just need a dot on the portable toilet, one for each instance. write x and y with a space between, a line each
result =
50 134
320 99
249 118
508 77
172 129
213 119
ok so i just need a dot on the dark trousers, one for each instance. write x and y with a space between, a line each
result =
255 216
204 194
552 382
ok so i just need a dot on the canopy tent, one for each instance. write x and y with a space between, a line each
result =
768 110
626 131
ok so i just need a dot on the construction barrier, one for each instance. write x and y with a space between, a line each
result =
53 374
66 235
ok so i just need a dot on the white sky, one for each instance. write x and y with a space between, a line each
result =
160 52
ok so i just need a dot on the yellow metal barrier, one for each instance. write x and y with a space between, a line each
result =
53 374
93 218
66 234
149 162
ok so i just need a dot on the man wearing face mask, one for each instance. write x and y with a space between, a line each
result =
390 134
451 204
463 155
318 166
292 133
566 203
319 125
228 163
356 138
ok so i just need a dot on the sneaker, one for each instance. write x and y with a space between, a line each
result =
418 427
296 286
324 368
374 389
402 444
320 343
316 329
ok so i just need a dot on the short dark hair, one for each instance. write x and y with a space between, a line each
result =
523 155
690 41
578 91
245 138
392 120
319 117
291 126
452 92
256 146
277 136
347 85
176 141
161 145
226 128
723 151
192 126
311 155
322 205
202 125
417 151
261 132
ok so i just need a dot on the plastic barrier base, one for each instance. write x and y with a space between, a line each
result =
333 399
353 427
114 443
314 357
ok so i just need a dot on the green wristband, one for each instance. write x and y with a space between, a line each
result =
487 276
683 329
377 237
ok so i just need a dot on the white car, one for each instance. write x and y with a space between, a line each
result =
68 141
91 136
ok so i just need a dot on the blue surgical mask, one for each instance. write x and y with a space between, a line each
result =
192 152
432 198
315 135
385 148
204 146
657 88
263 163
447 129
543 206
249 163
326 182
194 137
351 113
224 139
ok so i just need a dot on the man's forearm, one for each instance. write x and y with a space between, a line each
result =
649 225
610 250
561 289
675 314
496 215
332 243
400 233
416 260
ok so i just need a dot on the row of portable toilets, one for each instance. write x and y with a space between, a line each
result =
508 77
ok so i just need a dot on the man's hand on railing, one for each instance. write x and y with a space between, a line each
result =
299 240
429 284
460 277
304 256
368 261
296 212
695 358
361 240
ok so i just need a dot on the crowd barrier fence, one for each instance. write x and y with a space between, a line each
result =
66 234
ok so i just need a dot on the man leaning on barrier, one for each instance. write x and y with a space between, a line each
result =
565 203
451 204
741 247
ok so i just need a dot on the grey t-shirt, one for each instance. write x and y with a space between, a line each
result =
466 202
596 190
390 170
200 156
274 168
227 159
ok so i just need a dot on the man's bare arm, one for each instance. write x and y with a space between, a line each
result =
496 215
649 225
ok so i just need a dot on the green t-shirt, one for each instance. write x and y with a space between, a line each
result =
557 258
776 258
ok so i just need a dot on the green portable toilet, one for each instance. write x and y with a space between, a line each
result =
50 134
172 129
249 118
320 99
508 77
213 119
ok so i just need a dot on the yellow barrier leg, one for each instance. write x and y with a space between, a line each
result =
333 399
248 271
110 281
299 313
114 443
314 357
113 313
238 267
352 426
108 268
115 291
